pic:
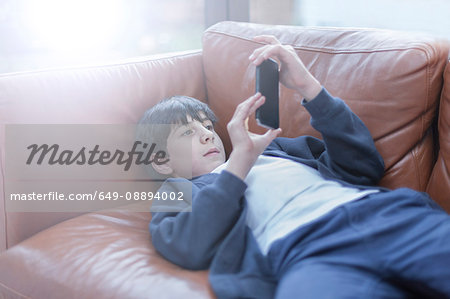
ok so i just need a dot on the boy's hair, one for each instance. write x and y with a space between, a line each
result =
157 122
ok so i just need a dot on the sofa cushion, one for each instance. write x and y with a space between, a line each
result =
391 80
97 255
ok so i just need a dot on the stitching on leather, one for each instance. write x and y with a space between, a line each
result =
416 166
420 47
429 83
5 223
14 291
427 100
151 58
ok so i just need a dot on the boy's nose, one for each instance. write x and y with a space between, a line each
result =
207 136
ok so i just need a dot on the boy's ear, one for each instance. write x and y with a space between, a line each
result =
163 168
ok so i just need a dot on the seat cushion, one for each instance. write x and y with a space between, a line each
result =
96 255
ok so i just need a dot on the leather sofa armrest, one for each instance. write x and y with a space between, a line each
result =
108 94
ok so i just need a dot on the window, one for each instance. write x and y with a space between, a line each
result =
39 34
52 33
430 16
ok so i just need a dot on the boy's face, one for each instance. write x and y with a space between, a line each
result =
194 149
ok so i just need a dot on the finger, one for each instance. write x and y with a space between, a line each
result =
256 105
273 132
268 52
247 102
257 52
271 135
265 139
241 114
270 39
243 108
253 105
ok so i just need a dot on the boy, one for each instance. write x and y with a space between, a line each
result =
290 218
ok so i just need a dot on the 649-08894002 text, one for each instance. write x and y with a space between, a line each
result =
97 195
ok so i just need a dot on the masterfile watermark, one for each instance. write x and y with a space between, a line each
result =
51 154
68 168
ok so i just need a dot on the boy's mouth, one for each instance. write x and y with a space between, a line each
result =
212 151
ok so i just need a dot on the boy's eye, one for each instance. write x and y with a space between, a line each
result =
187 132
209 127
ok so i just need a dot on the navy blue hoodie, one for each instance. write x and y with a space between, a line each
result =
215 236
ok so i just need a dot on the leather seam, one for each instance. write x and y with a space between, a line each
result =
150 58
14 291
330 51
5 214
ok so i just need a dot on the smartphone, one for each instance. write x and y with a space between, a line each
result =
267 82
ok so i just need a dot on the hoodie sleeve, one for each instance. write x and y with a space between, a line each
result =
190 239
347 148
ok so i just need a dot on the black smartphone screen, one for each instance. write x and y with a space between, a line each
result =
267 79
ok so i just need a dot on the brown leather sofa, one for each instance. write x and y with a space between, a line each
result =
398 83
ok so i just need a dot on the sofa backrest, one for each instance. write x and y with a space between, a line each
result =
391 80
109 94
439 184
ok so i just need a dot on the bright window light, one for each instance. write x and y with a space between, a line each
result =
73 25
42 34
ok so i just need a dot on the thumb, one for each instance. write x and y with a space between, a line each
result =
272 134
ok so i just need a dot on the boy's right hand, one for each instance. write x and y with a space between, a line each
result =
247 146
293 73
